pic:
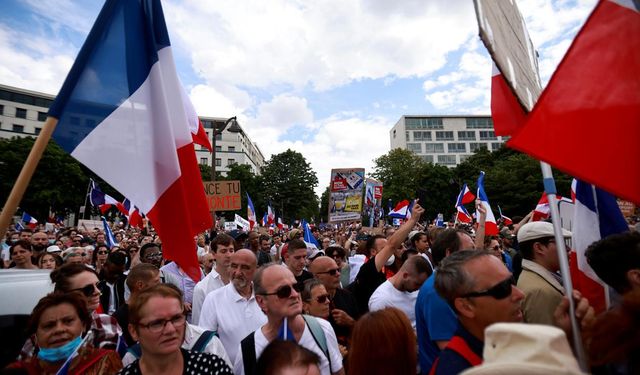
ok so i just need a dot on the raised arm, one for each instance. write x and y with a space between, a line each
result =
399 236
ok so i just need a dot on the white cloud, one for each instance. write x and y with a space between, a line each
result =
209 101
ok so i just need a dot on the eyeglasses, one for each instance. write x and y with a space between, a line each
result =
499 291
323 298
284 291
153 255
103 252
496 248
331 272
88 290
81 254
158 326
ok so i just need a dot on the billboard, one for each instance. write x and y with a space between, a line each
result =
345 194
372 202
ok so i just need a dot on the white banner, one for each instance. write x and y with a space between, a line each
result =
242 222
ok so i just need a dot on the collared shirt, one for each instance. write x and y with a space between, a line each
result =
186 283
207 285
451 362
234 317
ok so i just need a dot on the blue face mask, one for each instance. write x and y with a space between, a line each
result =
51 242
59 353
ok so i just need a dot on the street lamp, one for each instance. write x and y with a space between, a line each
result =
218 128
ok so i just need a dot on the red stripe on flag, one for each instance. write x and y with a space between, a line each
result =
590 289
491 228
506 112
181 213
201 138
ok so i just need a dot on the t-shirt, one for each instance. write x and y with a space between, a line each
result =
194 363
306 341
435 321
304 276
345 301
367 281
388 296
451 362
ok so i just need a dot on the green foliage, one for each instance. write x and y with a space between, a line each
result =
324 205
288 181
399 171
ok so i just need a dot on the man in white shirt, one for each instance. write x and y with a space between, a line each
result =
401 290
232 310
221 248
275 288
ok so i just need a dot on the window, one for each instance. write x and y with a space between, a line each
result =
479 123
415 147
42 116
456 147
37 130
421 136
466 136
428 158
232 149
24 99
18 128
204 161
424 123
21 113
464 157
218 136
230 162
1 109
218 162
394 134
473 146
218 148
444 136
434 148
207 124
447 159
486 135
406 135
495 146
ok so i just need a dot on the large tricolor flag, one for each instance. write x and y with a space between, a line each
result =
251 213
121 114
587 120
506 112
401 210
596 215
491 227
100 199
198 134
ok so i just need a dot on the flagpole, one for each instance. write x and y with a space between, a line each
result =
550 189
86 198
20 186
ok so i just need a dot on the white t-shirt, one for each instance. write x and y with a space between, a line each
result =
211 282
306 341
234 317
112 299
386 295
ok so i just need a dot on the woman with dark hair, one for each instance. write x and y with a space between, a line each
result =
81 278
48 261
315 299
287 357
59 322
99 257
338 253
383 342
157 321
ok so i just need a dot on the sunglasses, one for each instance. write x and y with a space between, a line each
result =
496 248
501 290
88 290
332 272
103 252
323 298
285 291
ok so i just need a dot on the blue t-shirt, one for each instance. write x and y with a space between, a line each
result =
435 321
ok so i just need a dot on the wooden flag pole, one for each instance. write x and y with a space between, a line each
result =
20 186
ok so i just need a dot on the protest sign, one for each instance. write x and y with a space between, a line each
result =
242 222
222 195
345 196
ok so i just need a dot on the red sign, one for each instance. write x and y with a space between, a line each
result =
377 192
339 184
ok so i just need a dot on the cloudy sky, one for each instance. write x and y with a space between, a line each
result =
327 78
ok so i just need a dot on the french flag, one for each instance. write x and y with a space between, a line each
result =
120 113
264 220
465 196
505 220
29 220
542 210
251 213
491 227
280 224
462 215
101 200
307 235
198 134
506 112
108 234
401 210
271 216
596 216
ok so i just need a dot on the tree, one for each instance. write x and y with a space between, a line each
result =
249 184
324 205
59 183
288 182
440 190
398 170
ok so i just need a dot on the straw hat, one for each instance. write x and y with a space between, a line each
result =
517 348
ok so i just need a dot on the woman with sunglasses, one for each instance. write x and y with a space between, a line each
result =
315 299
81 278
60 323
157 321
493 246
99 257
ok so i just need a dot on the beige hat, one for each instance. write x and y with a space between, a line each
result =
527 349
538 229
293 233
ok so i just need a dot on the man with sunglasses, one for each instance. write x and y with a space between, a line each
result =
278 295
540 280
232 311
481 291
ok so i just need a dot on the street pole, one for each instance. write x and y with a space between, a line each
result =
215 132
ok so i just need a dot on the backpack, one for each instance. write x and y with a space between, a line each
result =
199 345
248 344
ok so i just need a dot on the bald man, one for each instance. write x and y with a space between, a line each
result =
401 290
344 307
232 310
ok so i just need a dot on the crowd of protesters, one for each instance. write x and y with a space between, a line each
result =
413 299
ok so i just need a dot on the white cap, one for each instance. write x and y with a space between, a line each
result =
538 229
527 349
54 249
